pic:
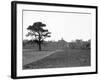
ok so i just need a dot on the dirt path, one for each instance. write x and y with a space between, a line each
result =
29 57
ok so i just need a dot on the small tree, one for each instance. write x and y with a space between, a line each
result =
38 33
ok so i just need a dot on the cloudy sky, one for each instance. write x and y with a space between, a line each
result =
67 25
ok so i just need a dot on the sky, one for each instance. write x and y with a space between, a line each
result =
67 25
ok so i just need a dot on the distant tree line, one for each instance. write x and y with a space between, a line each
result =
79 44
60 44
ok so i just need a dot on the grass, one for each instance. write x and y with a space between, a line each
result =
30 55
60 58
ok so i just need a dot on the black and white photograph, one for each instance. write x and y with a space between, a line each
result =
55 39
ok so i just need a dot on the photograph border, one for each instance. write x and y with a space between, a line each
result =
14 38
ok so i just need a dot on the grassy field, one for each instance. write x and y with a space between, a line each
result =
54 59
30 55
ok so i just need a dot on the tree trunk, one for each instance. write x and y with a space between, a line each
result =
39 42
39 46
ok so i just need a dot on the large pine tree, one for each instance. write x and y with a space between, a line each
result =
38 33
